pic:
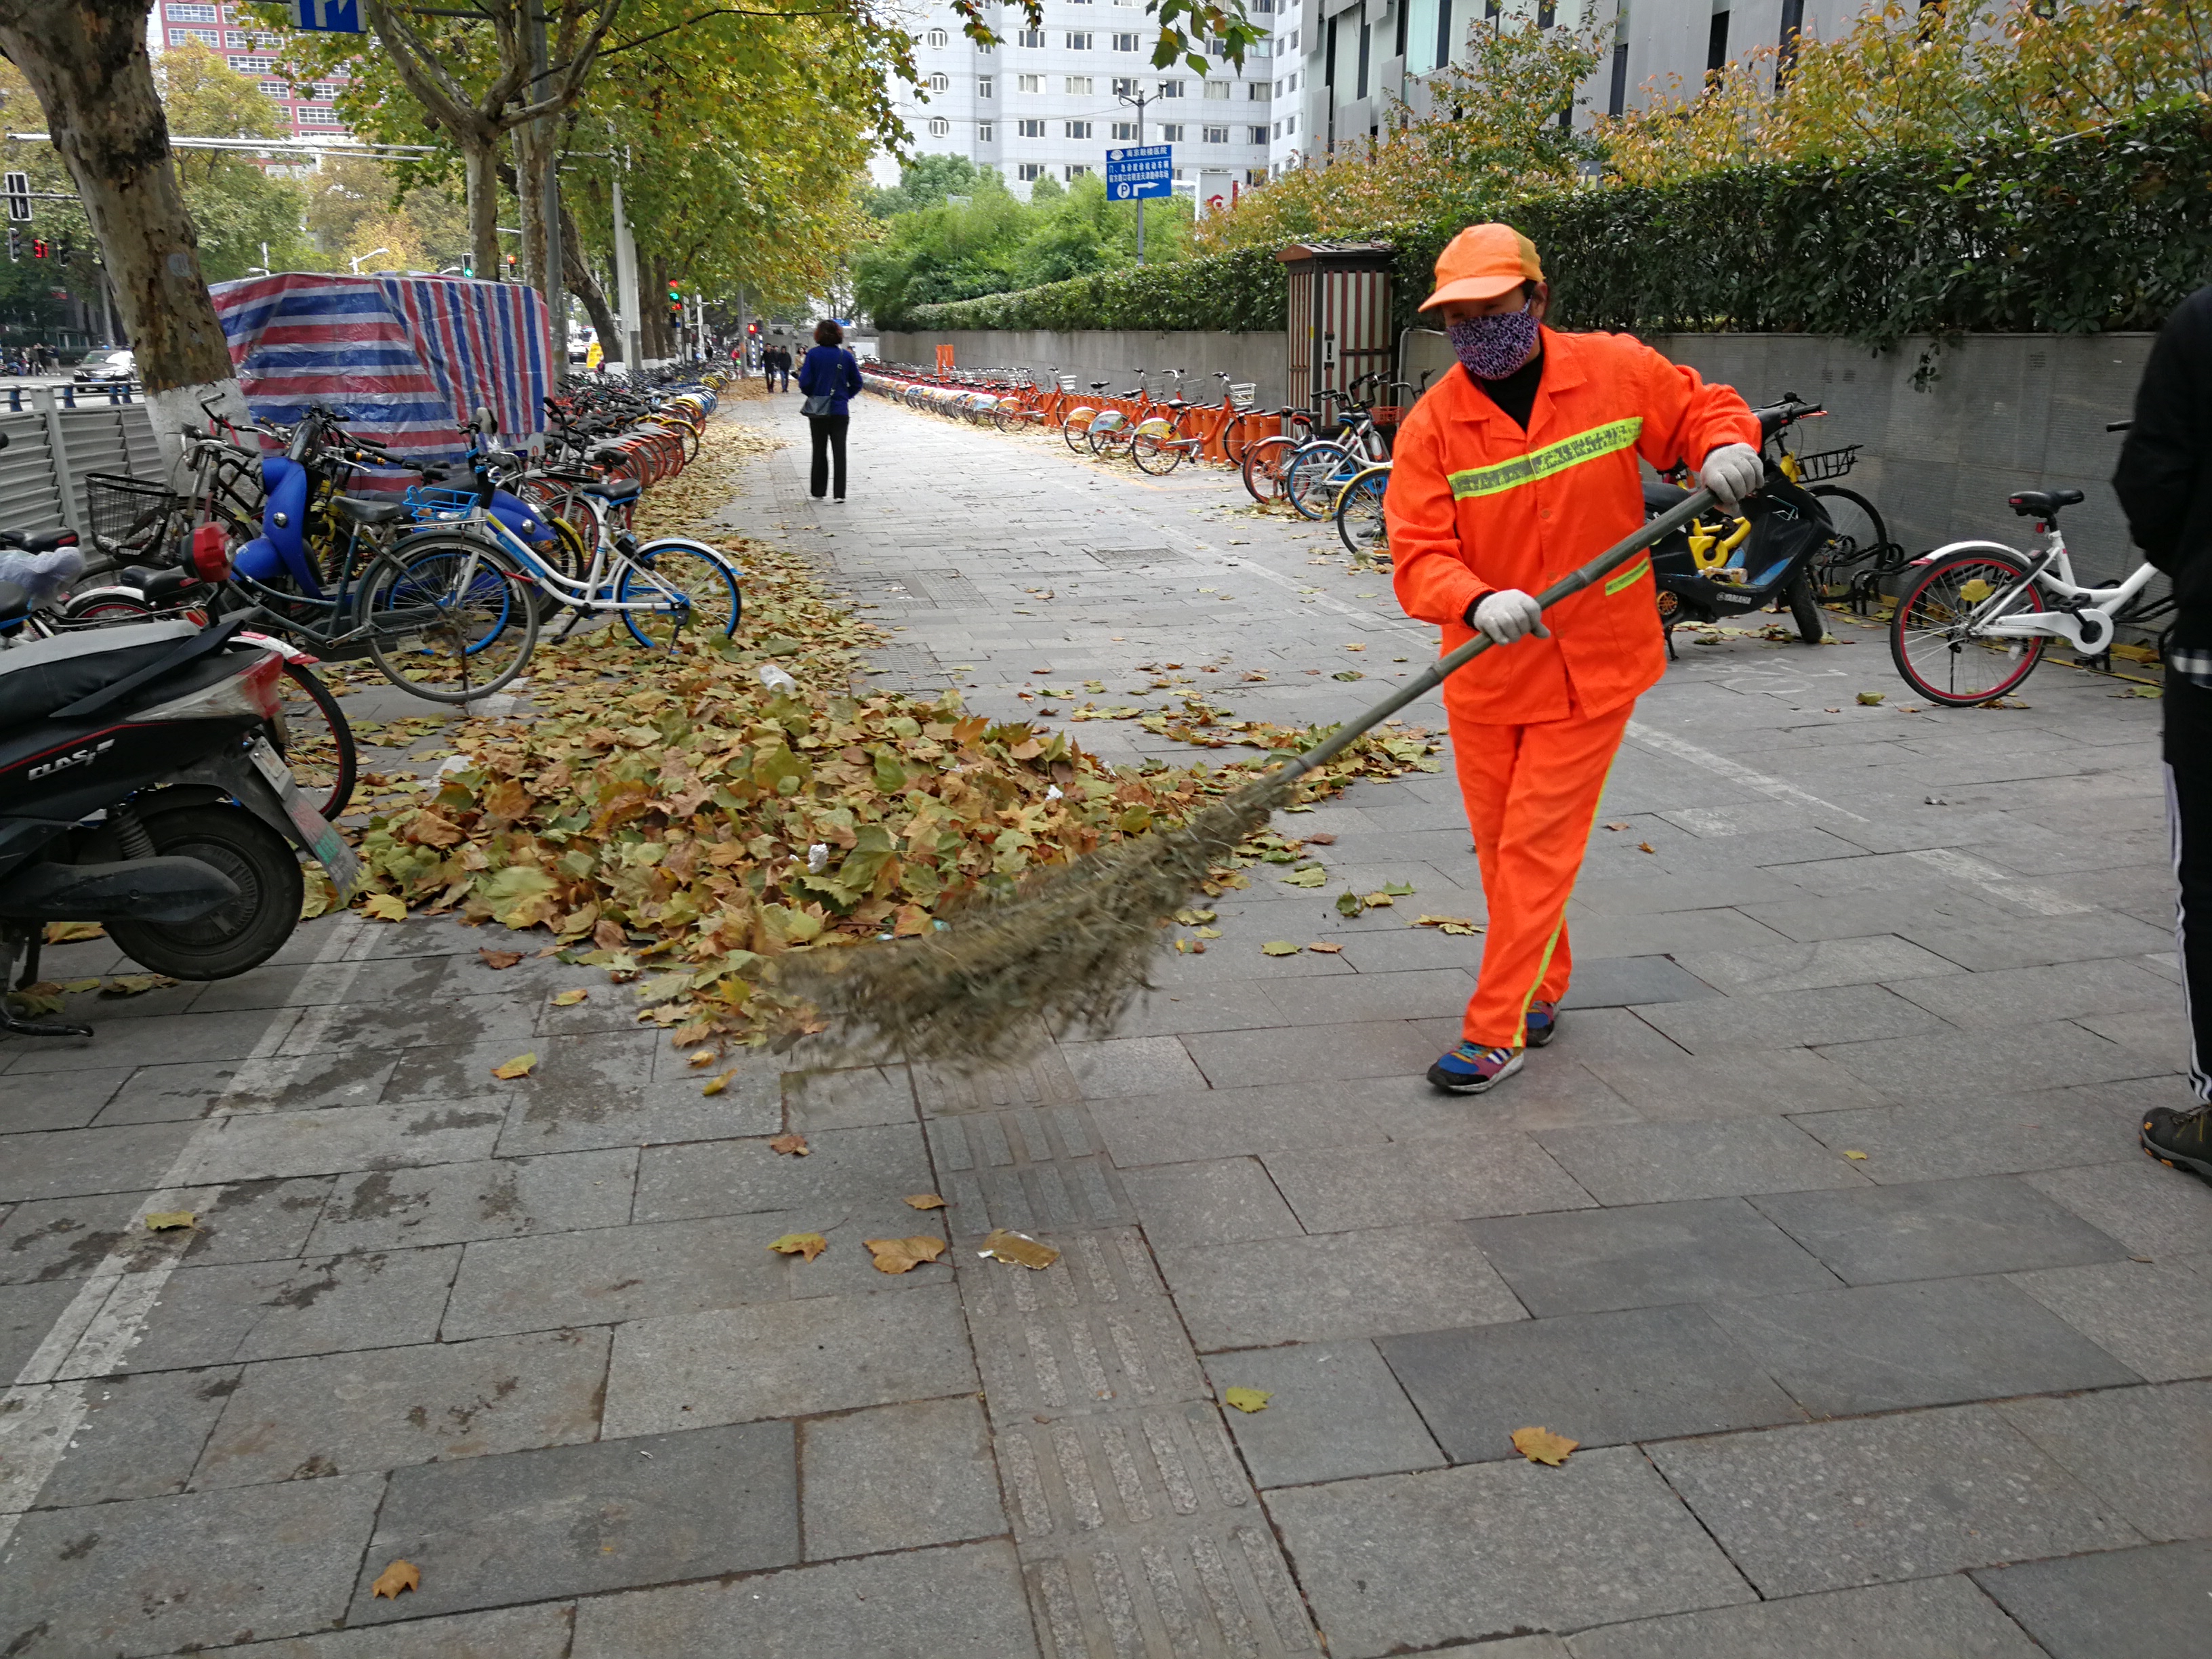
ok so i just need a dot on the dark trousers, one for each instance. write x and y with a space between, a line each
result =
2188 755
828 434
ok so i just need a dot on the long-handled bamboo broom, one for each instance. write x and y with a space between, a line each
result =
1075 946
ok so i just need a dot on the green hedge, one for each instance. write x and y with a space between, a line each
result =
1238 293
2102 230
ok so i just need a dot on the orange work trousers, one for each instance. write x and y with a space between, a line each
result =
1532 793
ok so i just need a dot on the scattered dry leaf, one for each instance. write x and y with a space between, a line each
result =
714 1085
569 999
1855 1158
1322 839
72 932
499 958
1542 1446
1455 925
519 1066
384 907
1616 826
1326 950
898 1255
399 1576
1870 698
163 1221
924 1200
1278 947
1018 1248
1646 847
1248 1400
791 1146
805 1245
134 985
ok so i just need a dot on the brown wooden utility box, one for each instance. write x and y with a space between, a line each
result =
1340 321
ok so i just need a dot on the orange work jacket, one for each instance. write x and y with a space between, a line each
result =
1475 504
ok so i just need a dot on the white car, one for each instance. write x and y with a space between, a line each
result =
106 366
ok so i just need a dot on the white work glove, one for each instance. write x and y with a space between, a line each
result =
1508 615
1732 472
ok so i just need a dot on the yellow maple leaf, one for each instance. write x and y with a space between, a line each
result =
398 1576
1542 1446
569 999
807 1246
899 1255
924 1200
1247 1400
519 1066
383 906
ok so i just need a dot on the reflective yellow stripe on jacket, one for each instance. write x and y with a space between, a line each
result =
1543 463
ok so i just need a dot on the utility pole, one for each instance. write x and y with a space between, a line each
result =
626 282
1137 101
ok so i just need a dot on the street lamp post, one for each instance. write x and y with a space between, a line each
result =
355 261
1137 101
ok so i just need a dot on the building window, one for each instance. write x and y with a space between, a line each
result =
1258 91
1293 45
1076 170
1125 132
1263 47
1218 49
1213 135
1033 39
251 65
938 39
185 37
939 127
1170 88
1263 8
1278 129
1031 128
184 13
1294 80
987 132
1127 43
275 90
1171 133
1078 86
1289 126
984 88
1029 83
1217 89
1254 176
1031 170
312 116
1259 134
1078 129
1078 40
940 84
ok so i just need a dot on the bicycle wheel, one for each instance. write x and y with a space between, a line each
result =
1155 448
1861 535
450 618
1075 430
1262 468
1935 638
316 740
1359 521
1109 436
1235 438
690 590
1313 478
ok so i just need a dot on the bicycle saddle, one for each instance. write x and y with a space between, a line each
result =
367 512
47 542
615 489
1100 386
2043 503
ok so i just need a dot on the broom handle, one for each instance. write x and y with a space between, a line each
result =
1443 668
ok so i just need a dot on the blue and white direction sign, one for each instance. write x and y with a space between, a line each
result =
1139 170
327 16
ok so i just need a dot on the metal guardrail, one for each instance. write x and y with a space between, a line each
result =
57 437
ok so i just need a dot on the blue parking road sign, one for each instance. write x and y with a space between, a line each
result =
1139 170
327 16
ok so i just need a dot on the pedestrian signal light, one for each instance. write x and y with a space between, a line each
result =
15 244
39 247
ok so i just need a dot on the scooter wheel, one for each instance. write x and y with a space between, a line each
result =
236 936
1805 608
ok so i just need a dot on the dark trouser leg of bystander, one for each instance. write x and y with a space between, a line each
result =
2184 1138
818 475
835 425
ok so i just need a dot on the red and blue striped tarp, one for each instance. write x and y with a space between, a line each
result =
402 359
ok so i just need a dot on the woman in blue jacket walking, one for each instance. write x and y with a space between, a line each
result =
828 376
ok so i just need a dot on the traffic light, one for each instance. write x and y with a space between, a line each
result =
15 244
39 247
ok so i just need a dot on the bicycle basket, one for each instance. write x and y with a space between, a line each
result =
427 505
1243 394
131 511
1387 414
1828 463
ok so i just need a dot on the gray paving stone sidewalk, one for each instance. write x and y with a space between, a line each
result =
1821 1226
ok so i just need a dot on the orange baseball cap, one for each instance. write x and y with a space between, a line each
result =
1482 262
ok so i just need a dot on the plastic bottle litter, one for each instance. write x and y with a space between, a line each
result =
776 679
818 858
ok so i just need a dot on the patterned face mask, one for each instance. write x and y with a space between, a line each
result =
1493 346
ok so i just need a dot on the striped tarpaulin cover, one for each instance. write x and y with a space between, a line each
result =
402 359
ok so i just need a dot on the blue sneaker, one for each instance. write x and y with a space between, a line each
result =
1469 1070
1541 1024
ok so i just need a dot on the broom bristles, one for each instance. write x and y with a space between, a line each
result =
1072 949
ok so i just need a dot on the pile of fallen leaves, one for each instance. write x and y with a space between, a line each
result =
683 820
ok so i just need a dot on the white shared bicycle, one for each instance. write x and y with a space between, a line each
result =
1975 616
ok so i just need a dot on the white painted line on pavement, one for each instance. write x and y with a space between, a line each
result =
41 1415
1991 880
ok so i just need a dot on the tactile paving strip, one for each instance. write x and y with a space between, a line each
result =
1028 1168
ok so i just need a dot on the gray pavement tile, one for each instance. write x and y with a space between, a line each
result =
1603 1379
256 1221
128 1043
1594 1036
162 1094
2159 1035
897 1477
1807 918
843 1168
2035 941
1652 1163
1208 1123
1936 1230
1119 1067
1856 1015
1926 1619
1645 1256
1373 1048
572 1073
2142 1451
1629 981
1408 1561
1513 1647
1371 1283
848 1099
1676 932
965 1602
277 1145
2120 1604
27 1312
1233 961
1658 893
1749 1084
68 1162
1399 949
158 1575
1436 1178
2020 996
1224 1200
1232 1005
1552 1091
496 1198
140 1437
1932 1342
63 1237
823 1354
577 1117
1877 959
1424 994
58 1100
2152 1210
1831 1505
1336 1413
2156 1318
282 1309
539 1631
2046 1130
531 1526
354 1414
441 1016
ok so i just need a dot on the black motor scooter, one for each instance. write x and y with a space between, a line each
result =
139 789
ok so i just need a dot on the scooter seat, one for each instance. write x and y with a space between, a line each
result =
367 512
46 542
1658 497
44 675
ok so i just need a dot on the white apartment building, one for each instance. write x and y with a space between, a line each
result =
1049 100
